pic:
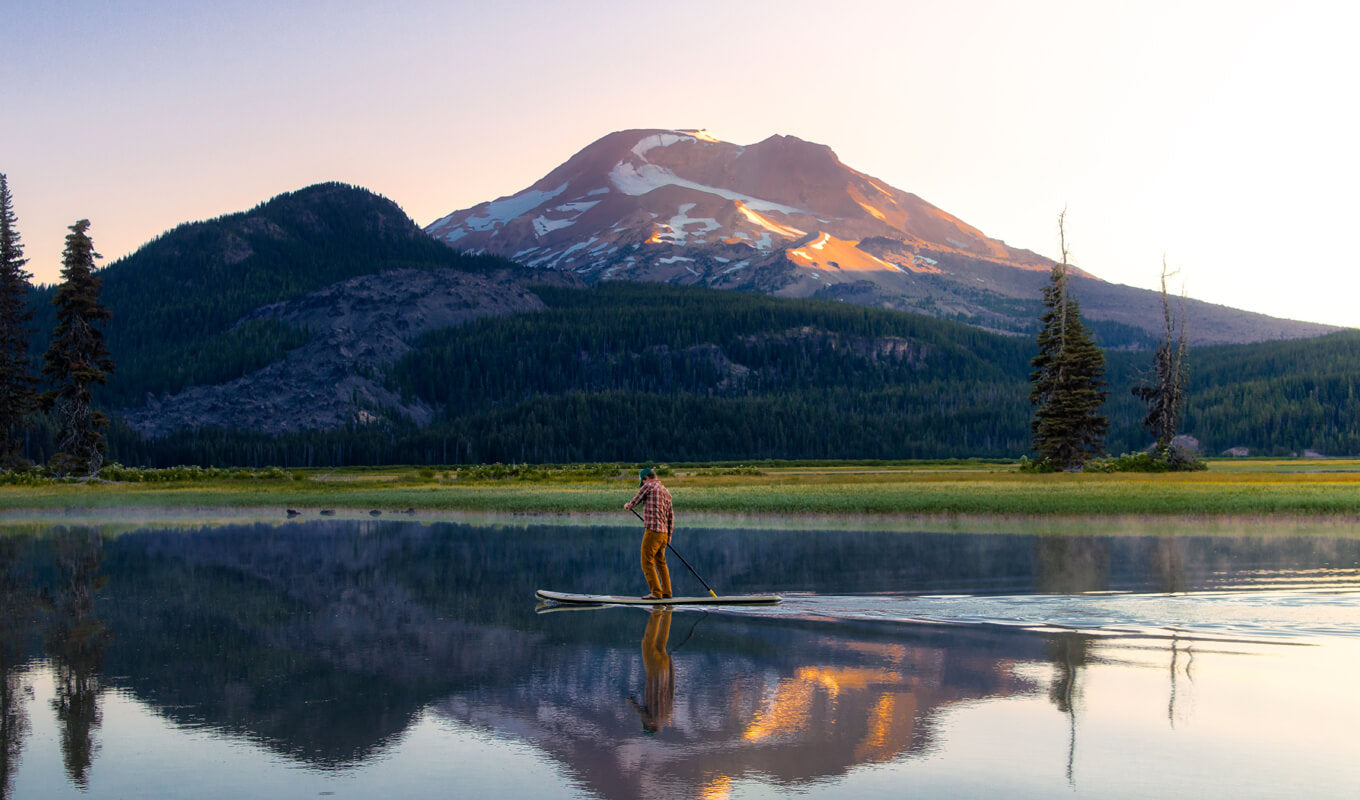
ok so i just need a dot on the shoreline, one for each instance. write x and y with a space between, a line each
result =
135 516
1276 496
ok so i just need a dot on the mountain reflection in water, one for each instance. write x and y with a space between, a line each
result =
325 643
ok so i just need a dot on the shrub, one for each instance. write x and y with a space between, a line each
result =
1041 466
29 476
122 474
738 470
1167 459
532 473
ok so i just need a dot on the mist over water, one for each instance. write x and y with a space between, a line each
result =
403 659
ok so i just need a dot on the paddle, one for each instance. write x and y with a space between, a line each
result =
682 558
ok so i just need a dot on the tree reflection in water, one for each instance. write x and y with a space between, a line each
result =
76 639
18 614
1069 653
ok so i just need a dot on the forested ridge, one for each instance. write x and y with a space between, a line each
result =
1279 397
177 300
624 372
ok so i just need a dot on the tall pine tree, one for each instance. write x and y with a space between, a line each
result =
77 359
18 388
1068 379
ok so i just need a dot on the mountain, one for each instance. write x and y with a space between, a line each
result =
786 217
283 317
323 327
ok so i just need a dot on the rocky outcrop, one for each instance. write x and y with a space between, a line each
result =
358 328
1186 443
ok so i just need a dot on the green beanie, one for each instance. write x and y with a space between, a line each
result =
644 474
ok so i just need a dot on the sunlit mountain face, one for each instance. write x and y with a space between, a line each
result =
682 205
786 217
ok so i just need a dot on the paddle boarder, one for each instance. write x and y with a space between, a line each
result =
658 520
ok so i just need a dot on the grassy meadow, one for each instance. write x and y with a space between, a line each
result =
1290 488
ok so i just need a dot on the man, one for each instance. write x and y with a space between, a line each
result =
657 521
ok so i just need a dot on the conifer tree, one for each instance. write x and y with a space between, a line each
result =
77 359
18 392
1068 379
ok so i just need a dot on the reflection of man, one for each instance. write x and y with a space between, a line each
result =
658 696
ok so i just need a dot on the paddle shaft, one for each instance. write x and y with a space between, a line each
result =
682 558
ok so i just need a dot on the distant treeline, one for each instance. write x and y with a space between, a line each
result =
1279 397
629 372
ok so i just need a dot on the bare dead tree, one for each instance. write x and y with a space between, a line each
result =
1165 392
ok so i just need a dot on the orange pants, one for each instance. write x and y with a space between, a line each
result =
654 562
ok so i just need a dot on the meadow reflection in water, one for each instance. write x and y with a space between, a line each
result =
343 647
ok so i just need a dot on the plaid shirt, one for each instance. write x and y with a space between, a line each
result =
656 514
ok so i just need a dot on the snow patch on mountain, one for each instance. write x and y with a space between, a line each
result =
543 225
499 212
639 180
828 252
879 215
675 230
658 140
786 231
701 134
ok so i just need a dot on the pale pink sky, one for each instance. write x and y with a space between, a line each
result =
1221 133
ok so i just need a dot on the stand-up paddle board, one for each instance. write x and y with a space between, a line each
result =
611 599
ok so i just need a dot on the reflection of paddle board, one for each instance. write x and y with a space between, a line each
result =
609 599
550 607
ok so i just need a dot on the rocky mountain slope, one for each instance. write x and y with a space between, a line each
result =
357 329
786 217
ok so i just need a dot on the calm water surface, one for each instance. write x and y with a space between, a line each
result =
399 659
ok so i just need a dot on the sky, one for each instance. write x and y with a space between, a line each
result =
1222 136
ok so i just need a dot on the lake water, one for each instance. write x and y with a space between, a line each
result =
361 659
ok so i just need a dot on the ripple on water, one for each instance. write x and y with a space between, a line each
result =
1297 614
